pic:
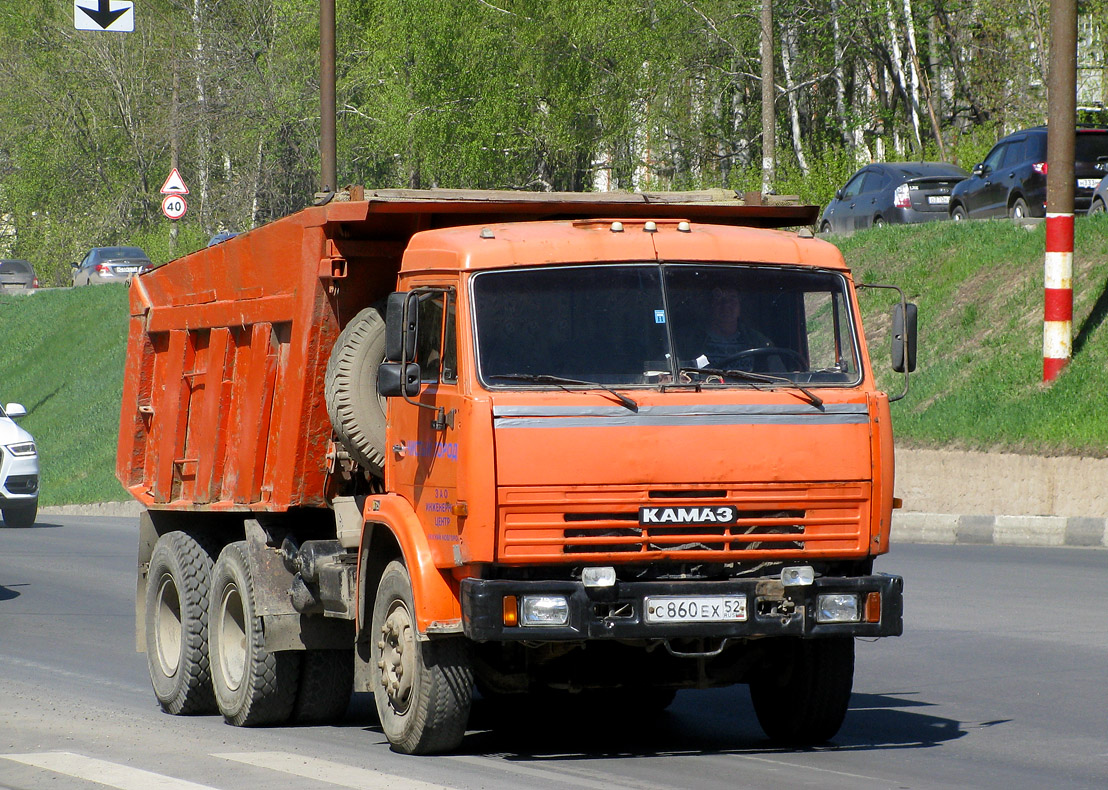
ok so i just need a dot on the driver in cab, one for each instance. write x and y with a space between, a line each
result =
727 336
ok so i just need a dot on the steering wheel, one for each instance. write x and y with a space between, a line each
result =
764 351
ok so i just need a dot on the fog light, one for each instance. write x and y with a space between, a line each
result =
541 610
799 576
599 577
837 608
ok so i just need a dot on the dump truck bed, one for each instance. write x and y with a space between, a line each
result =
223 403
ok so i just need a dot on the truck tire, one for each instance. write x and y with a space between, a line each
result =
253 687
802 696
326 683
176 622
422 689
357 412
20 515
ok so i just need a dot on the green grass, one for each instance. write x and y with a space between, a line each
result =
979 287
61 356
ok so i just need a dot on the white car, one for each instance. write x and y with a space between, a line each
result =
18 470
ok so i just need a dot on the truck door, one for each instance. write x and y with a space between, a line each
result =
424 438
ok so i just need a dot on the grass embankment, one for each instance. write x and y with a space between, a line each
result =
979 287
61 356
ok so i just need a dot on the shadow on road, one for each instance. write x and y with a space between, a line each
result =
7 593
719 721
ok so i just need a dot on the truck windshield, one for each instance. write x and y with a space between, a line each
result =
648 324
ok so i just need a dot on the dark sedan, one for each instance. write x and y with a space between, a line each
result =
892 193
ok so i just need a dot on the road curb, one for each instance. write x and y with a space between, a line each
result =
1069 531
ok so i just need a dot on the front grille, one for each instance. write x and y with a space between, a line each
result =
781 521
22 484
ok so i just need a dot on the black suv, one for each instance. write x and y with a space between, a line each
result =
1011 182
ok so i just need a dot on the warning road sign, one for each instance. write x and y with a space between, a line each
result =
174 185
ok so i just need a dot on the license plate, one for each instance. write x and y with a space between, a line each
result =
692 516
695 609
127 269
1087 183
938 200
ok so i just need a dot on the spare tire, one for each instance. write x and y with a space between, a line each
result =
357 412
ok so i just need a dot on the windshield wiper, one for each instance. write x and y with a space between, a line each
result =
763 377
545 378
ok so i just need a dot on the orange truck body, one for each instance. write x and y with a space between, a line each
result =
224 426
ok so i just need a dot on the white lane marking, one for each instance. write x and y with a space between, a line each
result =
122 777
327 771
814 768
545 775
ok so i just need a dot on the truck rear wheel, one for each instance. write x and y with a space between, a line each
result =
252 685
176 622
422 689
326 683
357 412
802 696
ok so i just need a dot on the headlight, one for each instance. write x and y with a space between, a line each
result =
837 608
544 610
22 450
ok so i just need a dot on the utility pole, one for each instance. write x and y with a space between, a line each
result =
1061 126
327 148
769 118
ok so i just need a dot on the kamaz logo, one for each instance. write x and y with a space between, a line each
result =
688 515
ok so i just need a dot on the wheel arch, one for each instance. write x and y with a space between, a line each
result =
392 531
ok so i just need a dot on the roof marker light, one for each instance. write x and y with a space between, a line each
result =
617 227
684 227
486 233
650 227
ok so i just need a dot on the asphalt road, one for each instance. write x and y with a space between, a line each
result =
1000 681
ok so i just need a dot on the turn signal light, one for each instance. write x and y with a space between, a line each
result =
511 611
873 607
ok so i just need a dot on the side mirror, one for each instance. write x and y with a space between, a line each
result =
15 410
401 326
74 265
395 380
979 169
904 338
838 194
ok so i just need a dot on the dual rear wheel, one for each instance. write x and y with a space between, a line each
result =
205 644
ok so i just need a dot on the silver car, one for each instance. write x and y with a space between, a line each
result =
110 265
16 275
18 470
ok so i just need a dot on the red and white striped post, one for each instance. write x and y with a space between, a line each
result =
1062 120
1058 301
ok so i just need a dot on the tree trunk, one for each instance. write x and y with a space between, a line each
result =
788 52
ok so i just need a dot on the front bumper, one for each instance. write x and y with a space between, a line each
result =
617 612
18 479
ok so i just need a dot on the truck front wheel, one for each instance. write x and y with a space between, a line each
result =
423 689
802 693
252 685
176 622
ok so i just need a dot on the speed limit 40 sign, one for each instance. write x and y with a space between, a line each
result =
174 206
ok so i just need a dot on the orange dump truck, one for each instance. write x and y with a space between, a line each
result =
590 447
